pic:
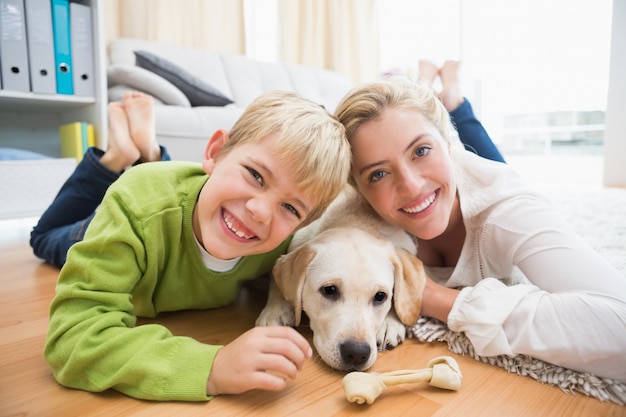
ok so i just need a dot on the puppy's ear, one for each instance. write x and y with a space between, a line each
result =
289 273
409 282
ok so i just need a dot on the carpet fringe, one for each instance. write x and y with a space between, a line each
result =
570 381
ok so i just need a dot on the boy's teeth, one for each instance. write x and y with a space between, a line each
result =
231 226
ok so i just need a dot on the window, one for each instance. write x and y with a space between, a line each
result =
536 71
262 38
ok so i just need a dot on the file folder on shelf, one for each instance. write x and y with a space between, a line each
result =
62 49
40 46
81 39
13 48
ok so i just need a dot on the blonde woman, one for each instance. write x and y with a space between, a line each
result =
504 267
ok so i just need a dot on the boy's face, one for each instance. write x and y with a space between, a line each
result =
250 204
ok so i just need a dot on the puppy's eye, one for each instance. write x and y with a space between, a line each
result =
380 298
330 291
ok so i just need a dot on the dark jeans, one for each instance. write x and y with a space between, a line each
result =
65 221
472 133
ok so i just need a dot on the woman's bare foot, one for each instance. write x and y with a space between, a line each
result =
427 72
451 95
139 109
121 151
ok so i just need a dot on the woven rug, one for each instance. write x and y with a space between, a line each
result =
600 217
604 389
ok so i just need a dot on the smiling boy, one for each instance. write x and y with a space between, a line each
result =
176 235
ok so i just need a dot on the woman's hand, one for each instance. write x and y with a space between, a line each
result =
261 358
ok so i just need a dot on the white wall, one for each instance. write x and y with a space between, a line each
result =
615 130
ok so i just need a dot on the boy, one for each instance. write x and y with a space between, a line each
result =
176 235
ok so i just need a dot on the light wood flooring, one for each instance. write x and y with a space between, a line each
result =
28 389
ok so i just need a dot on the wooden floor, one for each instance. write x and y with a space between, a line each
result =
28 389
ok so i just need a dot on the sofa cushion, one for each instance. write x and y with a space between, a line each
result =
197 91
200 62
121 78
320 85
250 78
186 131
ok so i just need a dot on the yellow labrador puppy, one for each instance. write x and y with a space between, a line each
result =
357 279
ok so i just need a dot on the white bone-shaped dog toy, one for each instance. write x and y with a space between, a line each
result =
441 372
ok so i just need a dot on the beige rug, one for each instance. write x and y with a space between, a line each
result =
600 217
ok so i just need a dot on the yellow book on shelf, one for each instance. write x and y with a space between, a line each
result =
88 136
91 137
75 139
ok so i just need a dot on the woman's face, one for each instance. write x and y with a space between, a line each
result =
402 166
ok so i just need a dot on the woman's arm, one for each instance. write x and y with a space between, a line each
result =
437 300
573 313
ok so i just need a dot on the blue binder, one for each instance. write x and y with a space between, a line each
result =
62 46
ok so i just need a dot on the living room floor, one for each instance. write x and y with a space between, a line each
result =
560 173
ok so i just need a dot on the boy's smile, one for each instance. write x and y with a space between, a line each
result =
250 203
237 227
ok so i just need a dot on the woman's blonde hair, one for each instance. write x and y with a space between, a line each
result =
311 142
369 100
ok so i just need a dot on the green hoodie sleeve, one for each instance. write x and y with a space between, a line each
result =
92 341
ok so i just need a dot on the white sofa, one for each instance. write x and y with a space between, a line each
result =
184 129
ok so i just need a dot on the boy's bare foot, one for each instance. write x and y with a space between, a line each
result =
451 95
139 109
121 151
427 72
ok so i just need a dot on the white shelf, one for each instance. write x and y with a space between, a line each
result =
64 108
31 102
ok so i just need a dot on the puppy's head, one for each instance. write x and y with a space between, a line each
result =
345 280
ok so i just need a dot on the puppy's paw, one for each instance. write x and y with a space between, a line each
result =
277 315
391 333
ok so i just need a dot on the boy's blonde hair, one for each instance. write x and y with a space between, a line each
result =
369 100
312 143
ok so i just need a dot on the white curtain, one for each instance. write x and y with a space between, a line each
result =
214 24
339 35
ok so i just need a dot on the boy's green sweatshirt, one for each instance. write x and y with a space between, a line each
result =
139 258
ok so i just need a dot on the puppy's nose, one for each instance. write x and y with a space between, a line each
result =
355 354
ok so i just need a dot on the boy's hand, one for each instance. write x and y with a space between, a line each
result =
261 358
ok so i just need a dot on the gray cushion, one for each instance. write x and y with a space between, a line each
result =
122 78
197 91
